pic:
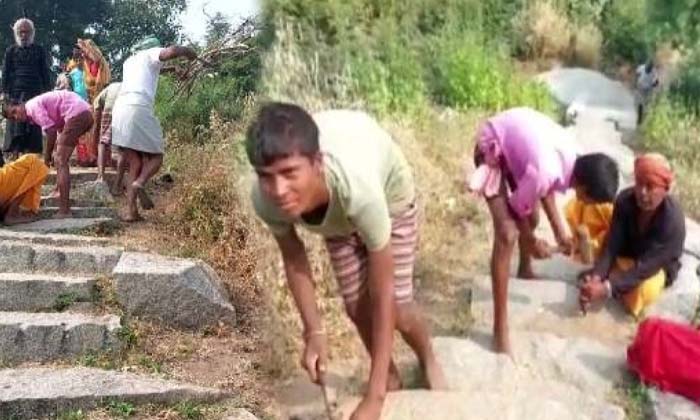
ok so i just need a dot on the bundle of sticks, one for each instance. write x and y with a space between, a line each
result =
235 44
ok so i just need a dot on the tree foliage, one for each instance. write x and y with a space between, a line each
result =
58 23
115 25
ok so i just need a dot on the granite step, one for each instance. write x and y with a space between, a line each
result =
80 212
64 226
17 256
41 292
81 175
46 392
41 337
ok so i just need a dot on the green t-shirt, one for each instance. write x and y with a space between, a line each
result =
367 176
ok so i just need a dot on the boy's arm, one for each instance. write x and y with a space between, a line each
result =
550 208
381 293
300 281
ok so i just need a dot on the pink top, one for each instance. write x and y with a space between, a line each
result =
52 109
537 152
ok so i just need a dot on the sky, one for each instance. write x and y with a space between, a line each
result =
194 21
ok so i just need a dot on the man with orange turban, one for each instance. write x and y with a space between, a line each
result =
645 244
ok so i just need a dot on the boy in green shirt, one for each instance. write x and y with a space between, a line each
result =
339 174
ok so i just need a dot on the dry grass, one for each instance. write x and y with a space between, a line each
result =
545 30
587 46
550 38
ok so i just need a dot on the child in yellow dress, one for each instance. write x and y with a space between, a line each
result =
589 214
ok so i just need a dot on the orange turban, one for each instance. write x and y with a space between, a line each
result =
653 169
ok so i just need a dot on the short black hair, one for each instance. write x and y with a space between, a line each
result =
599 176
279 131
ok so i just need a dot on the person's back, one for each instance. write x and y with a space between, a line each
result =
140 81
52 109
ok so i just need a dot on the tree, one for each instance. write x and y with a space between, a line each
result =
58 24
130 21
218 26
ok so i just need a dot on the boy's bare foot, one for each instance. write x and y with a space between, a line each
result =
435 376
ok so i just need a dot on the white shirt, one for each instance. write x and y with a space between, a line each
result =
646 81
140 78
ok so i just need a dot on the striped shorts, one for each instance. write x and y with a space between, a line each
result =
350 261
106 127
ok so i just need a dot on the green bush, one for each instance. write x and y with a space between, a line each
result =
471 73
625 30
685 90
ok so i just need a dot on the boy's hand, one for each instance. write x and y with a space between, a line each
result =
370 408
566 245
315 358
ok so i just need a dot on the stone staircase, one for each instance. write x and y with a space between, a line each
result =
565 365
91 204
49 316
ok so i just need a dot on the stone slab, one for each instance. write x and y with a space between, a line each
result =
94 191
39 392
470 365
680 301
692 237
239 414
178 292
54 202
81 212
70 225
667 406
90 260
535 400
552 307
36 292
49 336
59 239
81 175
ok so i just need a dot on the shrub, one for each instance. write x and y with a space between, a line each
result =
625 29
686 88
469 73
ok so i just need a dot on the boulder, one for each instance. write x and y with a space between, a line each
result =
181 293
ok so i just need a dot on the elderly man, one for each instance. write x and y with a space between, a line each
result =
645 243
26 74
135 128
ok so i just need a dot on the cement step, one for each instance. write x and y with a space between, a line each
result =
45 392
38 292
80 212
81 175
70 225
27 337
27 257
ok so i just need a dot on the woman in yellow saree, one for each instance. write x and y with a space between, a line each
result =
20 189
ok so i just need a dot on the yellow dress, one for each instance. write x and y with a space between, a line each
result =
593 218
23 179
646 293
